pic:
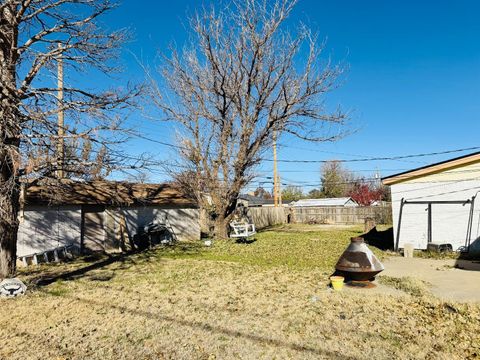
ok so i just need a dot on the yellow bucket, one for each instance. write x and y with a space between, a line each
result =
337 282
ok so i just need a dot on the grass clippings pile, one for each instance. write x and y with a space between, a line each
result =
264 300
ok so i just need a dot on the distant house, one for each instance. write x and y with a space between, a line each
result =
344 201
438 203
254 201
100 215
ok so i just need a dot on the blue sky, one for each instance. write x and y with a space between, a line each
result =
412 85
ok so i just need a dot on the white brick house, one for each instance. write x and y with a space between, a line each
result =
438 203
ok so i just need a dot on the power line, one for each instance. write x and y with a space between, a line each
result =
362 181
398 157
339 153
353 171
160 142
373 179
438 194
379 158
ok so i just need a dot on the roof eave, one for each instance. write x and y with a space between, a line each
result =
432 169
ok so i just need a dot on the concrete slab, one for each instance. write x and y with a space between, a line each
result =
457 280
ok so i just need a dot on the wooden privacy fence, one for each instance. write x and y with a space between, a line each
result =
263 217
342 215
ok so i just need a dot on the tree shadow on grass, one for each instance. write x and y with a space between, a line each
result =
245 241
48 274
217 329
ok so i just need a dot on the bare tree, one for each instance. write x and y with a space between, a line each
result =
262 193
34 36
242 79
337 181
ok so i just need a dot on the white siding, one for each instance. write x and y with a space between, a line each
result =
46 228
449 222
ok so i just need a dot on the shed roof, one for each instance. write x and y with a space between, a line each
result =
69 192
432 169
255 200
324 202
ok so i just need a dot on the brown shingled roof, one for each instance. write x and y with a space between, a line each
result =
112 193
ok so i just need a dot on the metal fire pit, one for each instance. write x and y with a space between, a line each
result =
358 262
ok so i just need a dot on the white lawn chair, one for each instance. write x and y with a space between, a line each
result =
242 231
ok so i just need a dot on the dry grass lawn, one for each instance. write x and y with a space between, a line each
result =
265 300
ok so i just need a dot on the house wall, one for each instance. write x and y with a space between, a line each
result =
449 222
45 228
185 222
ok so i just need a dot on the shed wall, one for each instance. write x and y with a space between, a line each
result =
185 222
449 222
45 228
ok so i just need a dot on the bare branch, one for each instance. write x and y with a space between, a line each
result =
243 78
34 36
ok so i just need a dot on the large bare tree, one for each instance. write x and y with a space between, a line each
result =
34 36
242 80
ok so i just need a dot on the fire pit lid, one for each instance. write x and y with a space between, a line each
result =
357 257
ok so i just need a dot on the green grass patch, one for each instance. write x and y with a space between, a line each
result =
294 246
295 250
58 288
425 254
455 255
412 286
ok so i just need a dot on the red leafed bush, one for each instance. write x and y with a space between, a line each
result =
364 194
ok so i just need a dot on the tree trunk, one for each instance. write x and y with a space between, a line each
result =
9 204
221 228
8 241
225 208
9 195
10 131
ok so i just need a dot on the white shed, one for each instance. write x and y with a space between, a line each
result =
101 215
438 204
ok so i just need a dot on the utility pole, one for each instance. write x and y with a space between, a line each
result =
277 196
377 176
61 129
279 185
